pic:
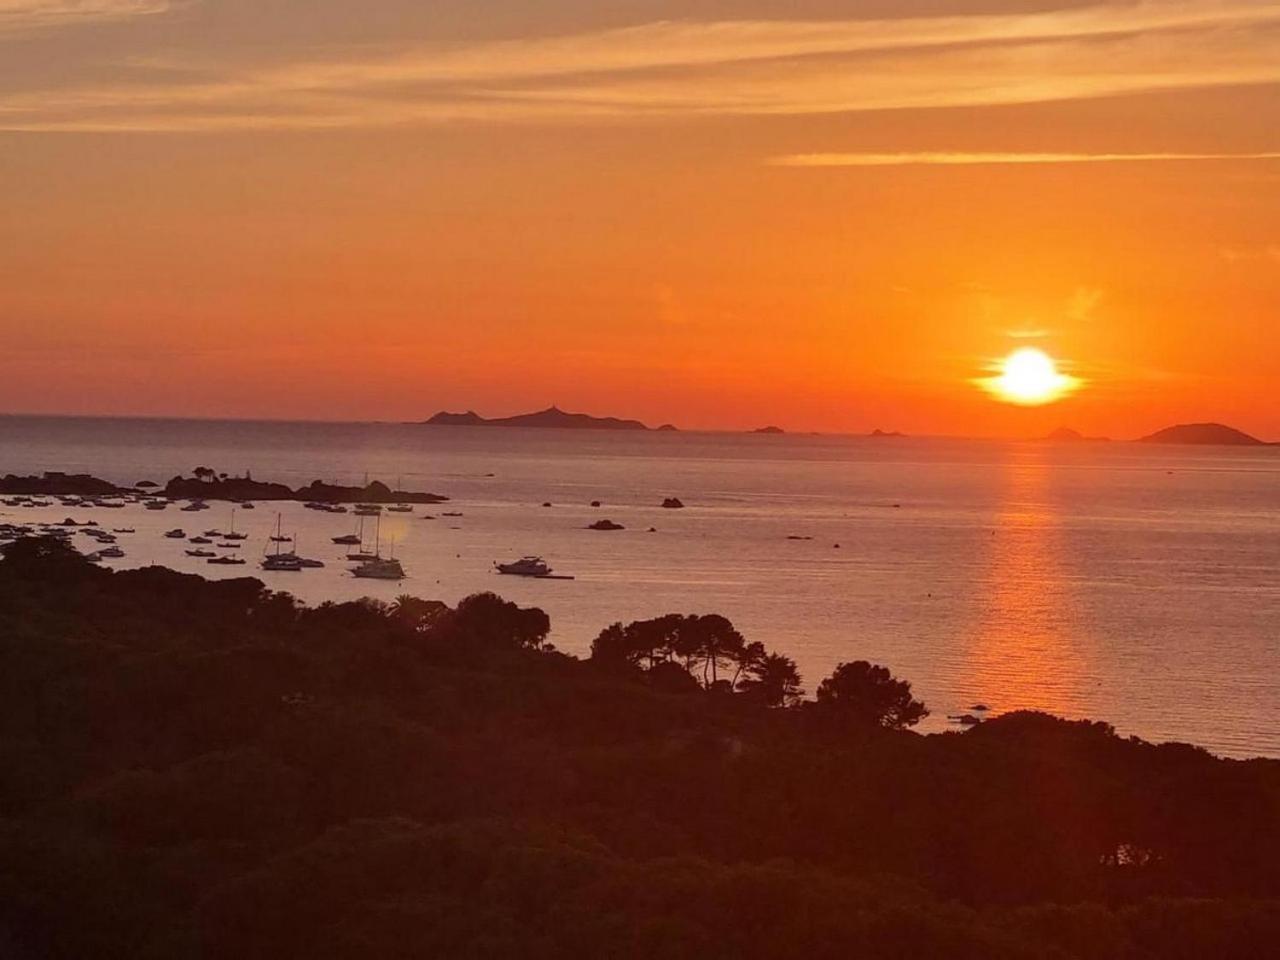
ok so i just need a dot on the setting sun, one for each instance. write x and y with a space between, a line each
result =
1029 377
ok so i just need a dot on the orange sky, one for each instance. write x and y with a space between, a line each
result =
682 212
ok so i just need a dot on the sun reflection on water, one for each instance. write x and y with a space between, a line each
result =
1026 651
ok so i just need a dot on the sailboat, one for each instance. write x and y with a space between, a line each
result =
281 562
400 507
352 539
378 567
231 534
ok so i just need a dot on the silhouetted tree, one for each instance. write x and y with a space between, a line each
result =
420 615
871 695
203 473
773 677
487 618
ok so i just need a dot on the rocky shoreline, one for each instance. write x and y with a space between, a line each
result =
223 488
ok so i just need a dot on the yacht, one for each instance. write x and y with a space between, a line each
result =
380 569
281 563
400 508
177 533
156 504
525 567
199 540
227 561
114 553
368 510
200 553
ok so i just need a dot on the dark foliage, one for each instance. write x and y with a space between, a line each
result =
871 695
196 769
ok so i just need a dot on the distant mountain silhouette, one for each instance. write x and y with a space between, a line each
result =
1205 434
887 435
1067 435
769 430
551 417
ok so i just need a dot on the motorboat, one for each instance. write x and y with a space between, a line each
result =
156 504
525 567
201 540
113 553
177 533
201 553
400 508
227 561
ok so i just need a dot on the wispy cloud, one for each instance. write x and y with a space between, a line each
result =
699 68
23 15
983 159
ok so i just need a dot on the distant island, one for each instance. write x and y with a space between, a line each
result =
1205 434
1067 435
769 429
887 435
552 417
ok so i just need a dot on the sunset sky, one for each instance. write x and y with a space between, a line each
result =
695 212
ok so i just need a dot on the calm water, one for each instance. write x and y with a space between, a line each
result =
1140 585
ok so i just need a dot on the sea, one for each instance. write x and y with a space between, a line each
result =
1131 583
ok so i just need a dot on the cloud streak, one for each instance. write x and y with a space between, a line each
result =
985 159
672 68
18 16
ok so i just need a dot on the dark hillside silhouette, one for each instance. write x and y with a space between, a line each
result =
1203 434
209 769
